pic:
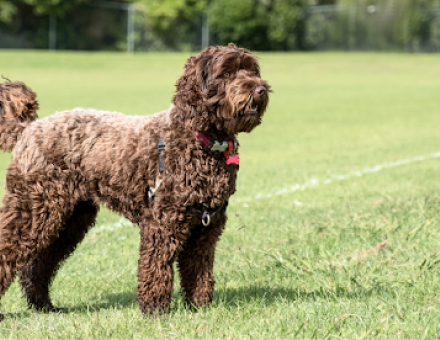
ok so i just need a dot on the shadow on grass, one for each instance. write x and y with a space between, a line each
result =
229 297
271 295
108 301
233 297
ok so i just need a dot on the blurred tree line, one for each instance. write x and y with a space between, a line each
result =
256 24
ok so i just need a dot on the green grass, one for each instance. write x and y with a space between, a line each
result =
304 264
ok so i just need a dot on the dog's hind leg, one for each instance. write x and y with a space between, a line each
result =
34 210
38 274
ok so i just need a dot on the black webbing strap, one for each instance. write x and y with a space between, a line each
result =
206 215
160 148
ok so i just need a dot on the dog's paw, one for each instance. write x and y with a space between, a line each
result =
155 310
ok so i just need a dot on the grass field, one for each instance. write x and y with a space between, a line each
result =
343 254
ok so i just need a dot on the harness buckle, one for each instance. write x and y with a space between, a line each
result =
152 192
219 146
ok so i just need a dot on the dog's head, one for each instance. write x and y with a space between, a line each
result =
17 101
221 89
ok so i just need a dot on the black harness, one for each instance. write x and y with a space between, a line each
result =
160 148
202 208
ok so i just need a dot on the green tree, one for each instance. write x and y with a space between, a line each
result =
56 7
258 24
243 22
8 8
84 27
176 23
421 24
285 23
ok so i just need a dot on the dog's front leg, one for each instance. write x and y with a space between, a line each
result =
196 262
155 270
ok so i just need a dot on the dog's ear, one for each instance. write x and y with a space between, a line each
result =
204 73
184 86
197 75
193 88
232 45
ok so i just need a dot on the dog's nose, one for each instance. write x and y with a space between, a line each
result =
260 89
260 93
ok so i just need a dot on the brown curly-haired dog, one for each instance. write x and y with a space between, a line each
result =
171 173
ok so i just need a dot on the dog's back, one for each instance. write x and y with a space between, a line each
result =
95 142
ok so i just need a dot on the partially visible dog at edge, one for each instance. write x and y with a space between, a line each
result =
172 174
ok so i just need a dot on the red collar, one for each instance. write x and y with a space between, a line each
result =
229 148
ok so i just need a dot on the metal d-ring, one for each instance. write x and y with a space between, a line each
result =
206 216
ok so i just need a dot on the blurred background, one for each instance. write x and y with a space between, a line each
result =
334 231
189 25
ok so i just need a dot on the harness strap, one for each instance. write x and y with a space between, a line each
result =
206 215
160 148
162 168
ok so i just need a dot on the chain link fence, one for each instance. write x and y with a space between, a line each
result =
102 25
91 28
372 27
113 26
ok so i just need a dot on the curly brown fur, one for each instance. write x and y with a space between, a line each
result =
66 165
216 91
18 107
37 275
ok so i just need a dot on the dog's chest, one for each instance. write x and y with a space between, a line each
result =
202 176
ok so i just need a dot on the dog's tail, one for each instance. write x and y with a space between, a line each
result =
18 108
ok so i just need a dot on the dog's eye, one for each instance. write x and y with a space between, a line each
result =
226 74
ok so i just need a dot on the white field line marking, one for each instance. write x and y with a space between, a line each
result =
314 182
